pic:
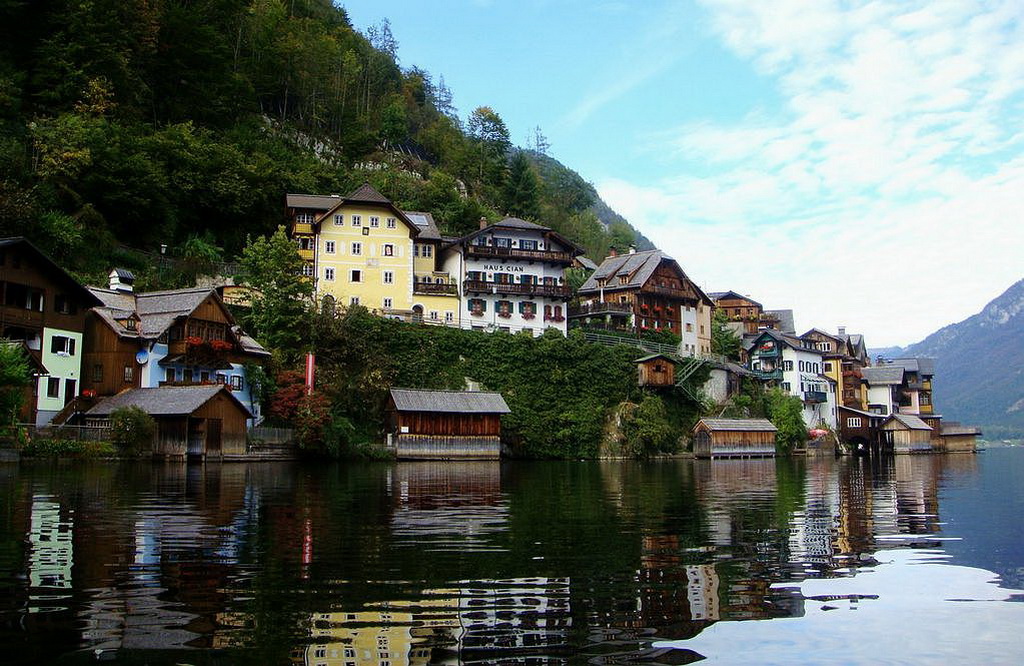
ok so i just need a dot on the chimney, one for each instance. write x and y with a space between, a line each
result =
612 252
483 222
122 280
842 330
632 249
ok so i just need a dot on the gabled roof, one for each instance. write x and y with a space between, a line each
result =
59 274
923 365
651 357
721 295
738 425
365 194
586 263
786 320
637 267
426 224
321 202
830 336
910 421
164 401
860 412
514 223
786 339
883 374
457 402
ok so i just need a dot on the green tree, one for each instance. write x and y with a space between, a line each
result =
282 297
15 375
646 429
723 340
491 143
786 412
521 189
131 429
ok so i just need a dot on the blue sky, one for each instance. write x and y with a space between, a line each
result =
859 162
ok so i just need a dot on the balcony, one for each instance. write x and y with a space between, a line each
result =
854 372
444 289
594 309
482 287
302 228
668 292
815 396
307 255
489 251
769 375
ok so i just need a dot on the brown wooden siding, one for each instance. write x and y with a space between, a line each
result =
656 372
728 443
448 424
105 357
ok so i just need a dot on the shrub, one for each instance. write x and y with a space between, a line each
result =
131 430
646 430
42 447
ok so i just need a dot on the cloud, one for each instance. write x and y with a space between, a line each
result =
884 194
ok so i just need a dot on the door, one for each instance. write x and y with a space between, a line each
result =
196 437
70 390
213 430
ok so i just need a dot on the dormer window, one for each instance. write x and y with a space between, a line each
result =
623 279
304 218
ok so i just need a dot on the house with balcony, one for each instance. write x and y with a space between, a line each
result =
43 310
511 277
883 388
915 393
178 337
360 249
747 315
855 359
797 367
646 291
833 349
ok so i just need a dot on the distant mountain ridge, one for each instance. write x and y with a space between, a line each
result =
979 366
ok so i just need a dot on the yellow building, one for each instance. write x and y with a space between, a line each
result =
362 250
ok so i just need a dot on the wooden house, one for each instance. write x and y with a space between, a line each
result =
906 433
956 438
165 338
43 307
859 430
734 438
745 310
646 291
656 371
439 425
204 422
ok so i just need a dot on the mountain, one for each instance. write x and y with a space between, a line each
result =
979 366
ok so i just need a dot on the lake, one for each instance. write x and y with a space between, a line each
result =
916 559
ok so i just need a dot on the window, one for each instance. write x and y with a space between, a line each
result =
171 375
853 422
477 306
97 372
374 221
433 315
802 364
449 317
63 304
304 218
129 373
389 277
354 300
329 274
307 270
415 250
62 345
355 276
53 387
389 250
427 250
528 244
357 248
305 243
785 386
339 219
387 303
329 247
689 327
357 220
503 242
236 382
221 378
391 223
828 366
366 231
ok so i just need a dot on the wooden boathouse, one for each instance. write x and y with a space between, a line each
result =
906 433
439 425
198 422
734 438
655 370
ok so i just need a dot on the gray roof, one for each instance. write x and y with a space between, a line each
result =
910 421
718 295
883 374
587 263
426 224
159 309
951 430
739 425
638 267
651 357
861 412
164 401
124 274
515 223
458 402
922 365
319 202
786 320
785 338
365 193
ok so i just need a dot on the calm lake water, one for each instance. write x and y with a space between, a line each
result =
912 560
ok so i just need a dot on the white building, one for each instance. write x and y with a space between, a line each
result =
511 277
883 384
796 367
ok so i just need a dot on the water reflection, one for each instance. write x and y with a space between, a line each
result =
466 563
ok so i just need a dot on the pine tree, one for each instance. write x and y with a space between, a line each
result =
521 189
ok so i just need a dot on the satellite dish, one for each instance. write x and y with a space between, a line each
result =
142 357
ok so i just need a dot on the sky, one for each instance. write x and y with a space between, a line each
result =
858 162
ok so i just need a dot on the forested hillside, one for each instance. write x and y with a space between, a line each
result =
136 123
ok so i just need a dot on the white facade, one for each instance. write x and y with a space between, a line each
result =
61 355
509 293
689 345
801 371
880 399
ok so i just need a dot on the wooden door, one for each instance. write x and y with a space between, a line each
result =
213 430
